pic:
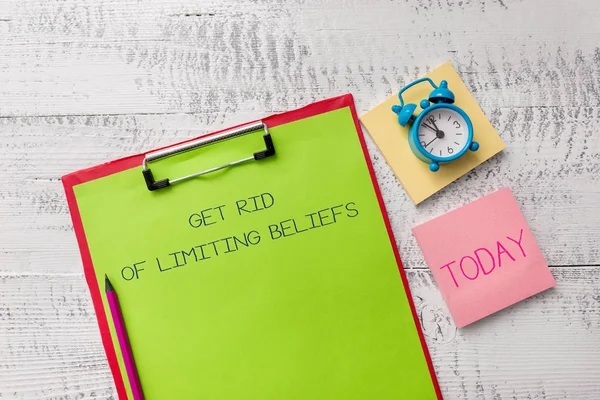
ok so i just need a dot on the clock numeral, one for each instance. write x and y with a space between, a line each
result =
450 149
423 144
456 124
431 119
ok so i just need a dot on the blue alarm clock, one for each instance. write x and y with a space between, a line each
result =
442 132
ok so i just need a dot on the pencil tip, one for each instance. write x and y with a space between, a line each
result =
109 286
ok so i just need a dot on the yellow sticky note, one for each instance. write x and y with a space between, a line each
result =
392 139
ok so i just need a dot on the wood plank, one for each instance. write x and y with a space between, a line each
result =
545 347
549 172
114 57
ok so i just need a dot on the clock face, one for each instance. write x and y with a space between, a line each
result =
443 132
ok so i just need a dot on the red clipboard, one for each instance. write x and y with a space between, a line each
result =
93 173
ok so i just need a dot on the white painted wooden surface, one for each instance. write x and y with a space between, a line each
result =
86 81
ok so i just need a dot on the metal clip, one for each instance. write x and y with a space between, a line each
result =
242 130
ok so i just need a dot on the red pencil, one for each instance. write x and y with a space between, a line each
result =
115 310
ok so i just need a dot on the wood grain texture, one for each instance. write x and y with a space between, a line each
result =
545 347
86 81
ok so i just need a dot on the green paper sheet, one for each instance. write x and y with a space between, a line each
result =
297 295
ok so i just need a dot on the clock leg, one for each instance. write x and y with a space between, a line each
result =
474 146
433 166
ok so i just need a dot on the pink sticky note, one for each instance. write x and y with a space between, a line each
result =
483 257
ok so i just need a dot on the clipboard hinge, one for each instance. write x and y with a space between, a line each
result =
152 184
270 149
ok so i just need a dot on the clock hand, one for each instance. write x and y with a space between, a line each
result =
430 142
433 122
427 126
438 133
